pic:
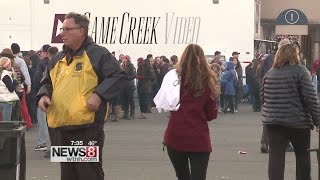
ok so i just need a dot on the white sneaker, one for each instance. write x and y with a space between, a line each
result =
41 147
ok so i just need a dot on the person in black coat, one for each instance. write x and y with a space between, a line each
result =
31 97
250 82
128 90
145 76
290 109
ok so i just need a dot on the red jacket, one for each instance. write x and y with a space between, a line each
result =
188 129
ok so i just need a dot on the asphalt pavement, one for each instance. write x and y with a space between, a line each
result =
133 150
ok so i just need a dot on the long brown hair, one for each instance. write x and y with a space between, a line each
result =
196 71
287 54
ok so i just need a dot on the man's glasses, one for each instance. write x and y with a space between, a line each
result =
66 30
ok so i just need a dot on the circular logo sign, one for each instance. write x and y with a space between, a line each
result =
292 17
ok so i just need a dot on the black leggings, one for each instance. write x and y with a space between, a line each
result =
278 137
198 162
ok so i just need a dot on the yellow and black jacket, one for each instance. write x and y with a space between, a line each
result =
71 78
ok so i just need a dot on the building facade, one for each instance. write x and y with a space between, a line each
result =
295 19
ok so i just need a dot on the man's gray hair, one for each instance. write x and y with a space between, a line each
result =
79 19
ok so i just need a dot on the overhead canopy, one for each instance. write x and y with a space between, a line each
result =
292 22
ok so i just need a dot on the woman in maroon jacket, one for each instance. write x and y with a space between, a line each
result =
187 136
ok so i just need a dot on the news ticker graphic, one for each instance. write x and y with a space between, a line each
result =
74 154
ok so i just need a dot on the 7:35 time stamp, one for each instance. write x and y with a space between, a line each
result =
76 143
80 143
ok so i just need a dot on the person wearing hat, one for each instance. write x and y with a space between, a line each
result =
235 55
145 76
8 85
77 85
128 91
18 109
41 116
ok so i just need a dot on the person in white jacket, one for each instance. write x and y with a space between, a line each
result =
8 85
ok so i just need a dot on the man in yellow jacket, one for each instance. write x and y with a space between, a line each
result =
74 92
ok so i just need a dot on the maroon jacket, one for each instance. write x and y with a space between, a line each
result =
188 129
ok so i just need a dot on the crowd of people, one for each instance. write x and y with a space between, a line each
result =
21 76
230 76
146 81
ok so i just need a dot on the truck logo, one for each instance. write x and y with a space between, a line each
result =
57 24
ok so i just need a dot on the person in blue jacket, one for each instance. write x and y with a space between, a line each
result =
230 90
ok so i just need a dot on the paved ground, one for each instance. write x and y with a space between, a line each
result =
133 151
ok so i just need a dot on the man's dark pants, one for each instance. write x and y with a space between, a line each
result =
256 105
278 140
82 171
143 101
128 101
222 97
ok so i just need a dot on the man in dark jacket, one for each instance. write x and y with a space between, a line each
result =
256 86
41 66
266 65
41 115
31 97
249 81
115 103
74 92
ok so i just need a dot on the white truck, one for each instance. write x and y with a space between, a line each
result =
136 28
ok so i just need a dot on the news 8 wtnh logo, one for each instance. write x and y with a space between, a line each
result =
74 154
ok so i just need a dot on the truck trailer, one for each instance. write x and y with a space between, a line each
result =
136 28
